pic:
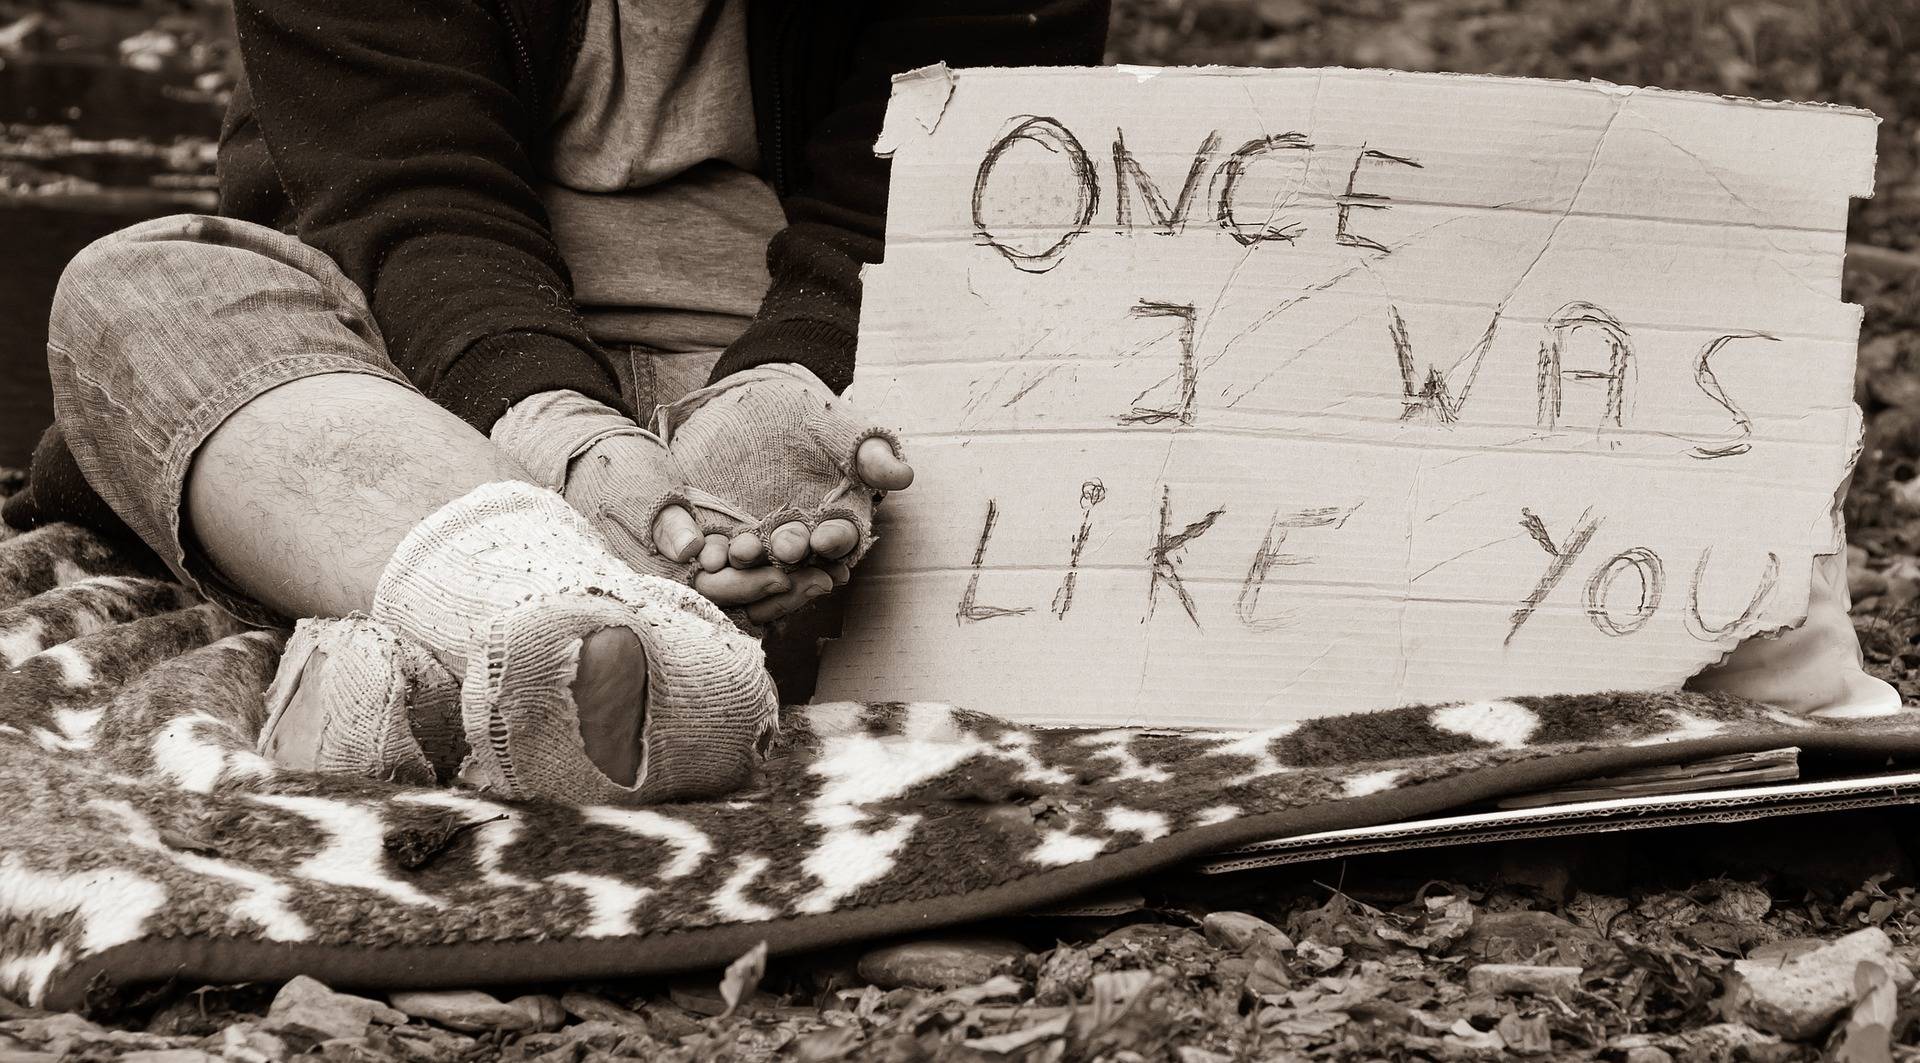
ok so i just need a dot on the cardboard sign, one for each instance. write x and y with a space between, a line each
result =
1243 396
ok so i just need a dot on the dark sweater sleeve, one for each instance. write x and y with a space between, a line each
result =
836 202
399 134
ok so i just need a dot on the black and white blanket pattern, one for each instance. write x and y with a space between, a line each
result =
144 838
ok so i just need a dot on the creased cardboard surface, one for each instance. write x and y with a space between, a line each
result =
1243 396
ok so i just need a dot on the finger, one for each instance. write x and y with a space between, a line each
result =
746 550
675 535
835 538
740 586
713 556
808 584
880 467
839 573
790 543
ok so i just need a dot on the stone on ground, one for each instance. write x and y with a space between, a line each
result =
545 1009
1239 931
64 1035
943 963
308 1004
1515 979
473 1011
1798 998
247 1042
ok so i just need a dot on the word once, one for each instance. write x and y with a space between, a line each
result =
1227 180
1164 555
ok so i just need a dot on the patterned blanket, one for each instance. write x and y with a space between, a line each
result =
145 839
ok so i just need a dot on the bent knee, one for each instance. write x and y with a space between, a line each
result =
150 279
125 276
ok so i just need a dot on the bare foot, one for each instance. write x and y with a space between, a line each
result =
610 695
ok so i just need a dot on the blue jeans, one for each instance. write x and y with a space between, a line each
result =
161 331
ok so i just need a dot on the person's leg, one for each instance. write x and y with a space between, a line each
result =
227 369
300 497
160 333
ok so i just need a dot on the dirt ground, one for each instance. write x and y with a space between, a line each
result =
1639 947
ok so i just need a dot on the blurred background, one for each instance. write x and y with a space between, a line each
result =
110 112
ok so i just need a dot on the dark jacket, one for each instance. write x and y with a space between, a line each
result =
403 138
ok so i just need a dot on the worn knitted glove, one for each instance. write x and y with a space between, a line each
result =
503 584
351 696
773 445
615 473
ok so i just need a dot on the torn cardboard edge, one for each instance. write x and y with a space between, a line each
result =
920 96
1732 805
919 102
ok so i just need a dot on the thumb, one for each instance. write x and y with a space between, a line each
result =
676 536
878 465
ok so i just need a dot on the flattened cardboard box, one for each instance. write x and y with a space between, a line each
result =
1580 817
1238 397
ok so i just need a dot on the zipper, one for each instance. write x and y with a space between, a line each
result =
522 57
782 51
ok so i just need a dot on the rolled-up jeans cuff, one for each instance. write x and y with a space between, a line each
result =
168 497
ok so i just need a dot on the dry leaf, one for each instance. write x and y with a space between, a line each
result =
999 987
1113 993
1015 1040
1447 920
1867 1035
1464 1035
1269 979
824 1046
743 977
1312 1024
1321 958
1528 1036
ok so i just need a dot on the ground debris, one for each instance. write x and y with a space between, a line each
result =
941 963
310 1008
472 1011
1799 997
1512 979
1238 931
1687 970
